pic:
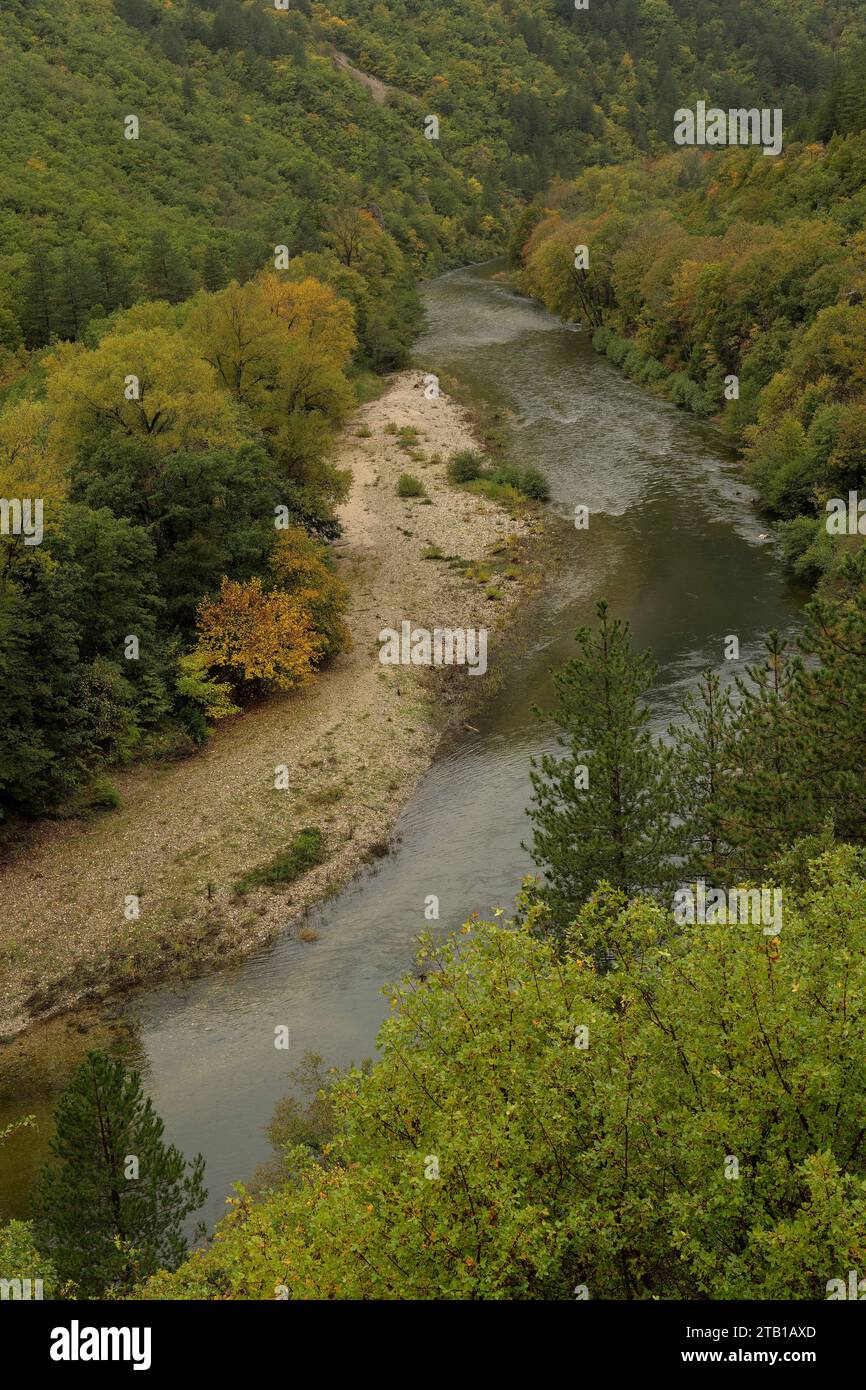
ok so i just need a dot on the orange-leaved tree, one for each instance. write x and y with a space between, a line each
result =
258 638
300 566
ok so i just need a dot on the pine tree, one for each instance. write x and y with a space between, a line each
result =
213 272
76 295
39 310
829 701
111 1209
700 744
769 800
851 106
604 810
113 279
167 274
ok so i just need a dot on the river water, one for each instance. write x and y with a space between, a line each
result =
673 544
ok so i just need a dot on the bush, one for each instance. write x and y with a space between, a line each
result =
507 474
690 395
306 850
806 547
408 486
529 482
534 484
465 466
20 1258
600 339
616 350
506 482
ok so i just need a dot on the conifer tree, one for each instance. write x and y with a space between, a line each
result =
38 314
111 1209
213 271
769 800
604 809
167 273
76 293
702 774
830 700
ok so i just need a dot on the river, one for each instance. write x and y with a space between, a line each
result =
673 544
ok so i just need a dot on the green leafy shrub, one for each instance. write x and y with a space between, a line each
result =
409 486
306 850
465 466
534 484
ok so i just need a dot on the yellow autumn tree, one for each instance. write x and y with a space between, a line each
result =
257 637
310 311
279 349
299 565
29 466
144 379
235 332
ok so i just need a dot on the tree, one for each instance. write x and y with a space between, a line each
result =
167 273
143 380
311 313
279 348
41 723
702 773
28 465
213 271
251 333
257 638
829 699
113 1205
604 810
346 226
236 334
768 802
39 319
208 514
76 292
301 566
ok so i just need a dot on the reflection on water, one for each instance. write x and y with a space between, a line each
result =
672 544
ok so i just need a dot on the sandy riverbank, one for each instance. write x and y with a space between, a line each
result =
355 743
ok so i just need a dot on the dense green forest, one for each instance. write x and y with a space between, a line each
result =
250 138
255 152
214 217
735 284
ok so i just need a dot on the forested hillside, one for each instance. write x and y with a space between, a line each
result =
735 283
250 135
